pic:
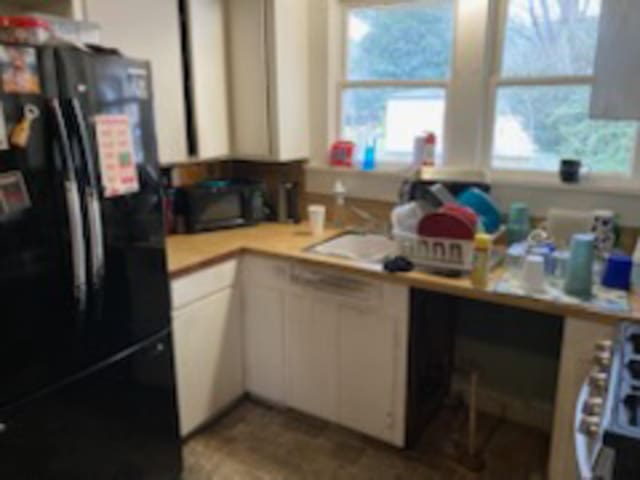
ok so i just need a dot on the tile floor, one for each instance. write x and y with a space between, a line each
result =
258 442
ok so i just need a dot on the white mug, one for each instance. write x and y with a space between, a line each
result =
317 216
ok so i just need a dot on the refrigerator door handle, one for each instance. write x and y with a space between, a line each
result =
74 209
92 195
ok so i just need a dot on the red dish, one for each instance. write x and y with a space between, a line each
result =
465 212
443 224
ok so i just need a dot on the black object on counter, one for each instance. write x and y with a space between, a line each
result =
398 264
288 207
420 189
218 204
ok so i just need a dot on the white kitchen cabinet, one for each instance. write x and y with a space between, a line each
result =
579 339
150 30
208 351
207 60
264 288
615 93
269 75
208 343
312 339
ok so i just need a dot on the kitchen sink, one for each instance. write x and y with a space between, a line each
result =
365 248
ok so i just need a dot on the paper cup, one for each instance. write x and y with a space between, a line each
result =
317 215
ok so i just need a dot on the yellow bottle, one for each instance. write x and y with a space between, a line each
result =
482 244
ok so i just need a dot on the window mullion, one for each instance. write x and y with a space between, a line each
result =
497 24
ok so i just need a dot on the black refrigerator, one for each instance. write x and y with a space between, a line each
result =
87 387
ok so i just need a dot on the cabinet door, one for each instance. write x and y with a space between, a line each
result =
311 333
576 360
150 30
246 26
209 79
208 346
290 78
366 377
264 341
615 93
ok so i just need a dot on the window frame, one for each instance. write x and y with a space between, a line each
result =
344 84
497 26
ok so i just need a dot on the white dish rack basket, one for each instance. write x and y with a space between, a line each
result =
438 253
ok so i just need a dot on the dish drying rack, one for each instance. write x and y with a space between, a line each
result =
439 253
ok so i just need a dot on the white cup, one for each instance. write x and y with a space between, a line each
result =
533 279
317 215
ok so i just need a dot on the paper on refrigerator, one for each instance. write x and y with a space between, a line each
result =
116 155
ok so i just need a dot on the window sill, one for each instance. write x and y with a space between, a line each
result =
617 185
393 171
392 175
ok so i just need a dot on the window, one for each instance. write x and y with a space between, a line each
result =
542 87
396 73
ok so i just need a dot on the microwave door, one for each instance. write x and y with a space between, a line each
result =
215 210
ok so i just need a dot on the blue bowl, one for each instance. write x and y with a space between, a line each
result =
484 206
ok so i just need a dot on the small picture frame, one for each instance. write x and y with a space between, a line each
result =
19 67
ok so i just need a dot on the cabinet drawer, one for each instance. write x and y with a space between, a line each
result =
188 289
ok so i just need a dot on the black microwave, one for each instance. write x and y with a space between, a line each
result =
219 204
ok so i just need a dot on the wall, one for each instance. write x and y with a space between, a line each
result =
517 361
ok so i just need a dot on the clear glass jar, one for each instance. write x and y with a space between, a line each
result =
24 30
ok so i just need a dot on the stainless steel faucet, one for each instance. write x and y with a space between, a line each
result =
372 224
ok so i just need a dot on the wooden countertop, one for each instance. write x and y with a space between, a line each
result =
188 253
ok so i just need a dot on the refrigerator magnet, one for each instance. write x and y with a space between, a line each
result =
19 69
22 131
4 137
13 191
